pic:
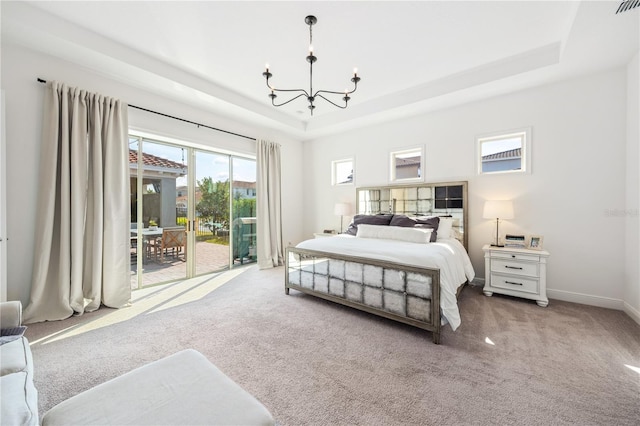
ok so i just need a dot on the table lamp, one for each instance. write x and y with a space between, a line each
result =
342 209
498 209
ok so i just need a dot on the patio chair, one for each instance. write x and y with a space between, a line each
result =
174 239
133 239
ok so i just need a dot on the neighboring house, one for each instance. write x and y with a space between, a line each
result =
244 189
349 179
502 161
159 188
407 168
182 196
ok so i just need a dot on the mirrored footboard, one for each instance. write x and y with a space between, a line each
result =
403 293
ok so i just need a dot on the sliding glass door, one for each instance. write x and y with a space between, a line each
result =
192 211
159 173
243 188
211 212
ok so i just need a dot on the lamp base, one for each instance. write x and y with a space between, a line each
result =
497 245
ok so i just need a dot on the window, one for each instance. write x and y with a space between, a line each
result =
504 152
342 172
406 165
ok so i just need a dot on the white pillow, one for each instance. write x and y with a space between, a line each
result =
444 228
401 233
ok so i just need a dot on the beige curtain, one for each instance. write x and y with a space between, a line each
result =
269 218
82 225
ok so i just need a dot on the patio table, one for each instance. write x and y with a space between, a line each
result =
147 235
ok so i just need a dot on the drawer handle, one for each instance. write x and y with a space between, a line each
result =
513 267
511 282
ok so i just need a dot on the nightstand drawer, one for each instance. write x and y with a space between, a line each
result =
514 283
516 268
515 256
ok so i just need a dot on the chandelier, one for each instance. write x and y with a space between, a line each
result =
310 95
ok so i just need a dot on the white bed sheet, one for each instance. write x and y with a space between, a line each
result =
449 256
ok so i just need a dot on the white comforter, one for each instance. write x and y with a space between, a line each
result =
447 255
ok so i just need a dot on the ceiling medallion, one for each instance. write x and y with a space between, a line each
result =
310 95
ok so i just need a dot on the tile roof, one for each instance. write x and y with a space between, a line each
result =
409 161
512 153
243 184
152 160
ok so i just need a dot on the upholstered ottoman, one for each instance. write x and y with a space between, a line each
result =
182 389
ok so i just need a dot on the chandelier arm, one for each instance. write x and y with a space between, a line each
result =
331 102
286 90
355 87
284 103
334 93
304 92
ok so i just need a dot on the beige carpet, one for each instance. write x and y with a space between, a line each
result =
313 362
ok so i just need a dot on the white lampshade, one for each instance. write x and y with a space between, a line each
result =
498 209
342 209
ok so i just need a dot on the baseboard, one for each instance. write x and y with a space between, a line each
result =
477 282
632 312
585 299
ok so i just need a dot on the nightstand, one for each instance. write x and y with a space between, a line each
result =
516 272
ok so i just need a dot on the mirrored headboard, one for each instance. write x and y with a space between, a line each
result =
427 199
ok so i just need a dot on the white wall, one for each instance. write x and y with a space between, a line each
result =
582 131
578 176
24 96
632 266
3 207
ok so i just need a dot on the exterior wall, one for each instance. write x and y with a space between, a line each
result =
499 165
246 193
168 202
407 172
578 172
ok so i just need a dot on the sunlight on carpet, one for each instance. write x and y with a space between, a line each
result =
632 368
150 300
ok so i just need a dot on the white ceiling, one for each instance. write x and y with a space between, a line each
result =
413 57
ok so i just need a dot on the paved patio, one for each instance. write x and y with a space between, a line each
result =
210 257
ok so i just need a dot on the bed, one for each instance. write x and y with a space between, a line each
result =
391 261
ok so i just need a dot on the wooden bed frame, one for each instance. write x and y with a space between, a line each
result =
396 291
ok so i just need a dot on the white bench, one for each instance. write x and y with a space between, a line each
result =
184 388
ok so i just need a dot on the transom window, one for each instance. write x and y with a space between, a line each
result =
342 172
504 152
406 165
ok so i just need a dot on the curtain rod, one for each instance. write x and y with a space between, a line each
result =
178 118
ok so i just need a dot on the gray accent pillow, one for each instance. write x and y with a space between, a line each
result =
10 334
369 219
430 222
